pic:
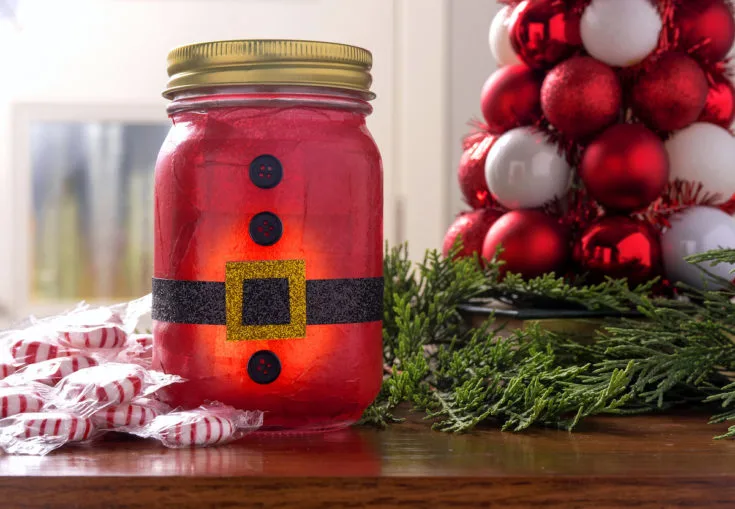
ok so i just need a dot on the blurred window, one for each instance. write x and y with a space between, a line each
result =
92 222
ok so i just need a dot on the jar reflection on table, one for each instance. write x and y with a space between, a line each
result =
343 453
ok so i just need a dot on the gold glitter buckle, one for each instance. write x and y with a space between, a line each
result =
237 273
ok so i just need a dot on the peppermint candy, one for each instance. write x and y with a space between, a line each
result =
198 429
128 414
18 400
92 389
102 336
30 351
64 426
211 424
108 384
6 370
51 372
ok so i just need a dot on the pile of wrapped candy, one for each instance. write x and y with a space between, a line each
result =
74 377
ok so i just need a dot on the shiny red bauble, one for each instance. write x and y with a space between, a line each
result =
533 243
720 106
511 98
581 97
706 28
544 32
625 168
471 172
619 247
471 228
671 94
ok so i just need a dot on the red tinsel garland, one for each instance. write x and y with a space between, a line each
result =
478 133
679 196
577 211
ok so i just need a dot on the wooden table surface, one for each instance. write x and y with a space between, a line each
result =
641 462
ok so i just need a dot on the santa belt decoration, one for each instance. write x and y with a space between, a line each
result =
268 300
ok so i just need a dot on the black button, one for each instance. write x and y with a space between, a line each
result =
264 367
266 172
265 302
266 229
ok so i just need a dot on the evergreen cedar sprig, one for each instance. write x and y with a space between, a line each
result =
680 352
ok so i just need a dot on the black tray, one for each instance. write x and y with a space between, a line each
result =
502 310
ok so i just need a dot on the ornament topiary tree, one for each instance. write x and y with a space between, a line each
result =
605 147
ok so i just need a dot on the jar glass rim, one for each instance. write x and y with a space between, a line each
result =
268 96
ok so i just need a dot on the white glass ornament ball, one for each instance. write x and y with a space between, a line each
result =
524 171
704 153
620 33
499 38
694 231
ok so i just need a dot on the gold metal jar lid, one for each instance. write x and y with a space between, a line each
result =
269 62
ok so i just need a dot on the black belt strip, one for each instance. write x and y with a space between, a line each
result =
328 302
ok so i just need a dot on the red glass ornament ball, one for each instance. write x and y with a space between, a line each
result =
625 168
706 28
581 97
533 243
511 98
471 228
671 94
619 247
471 173
544 32
720 106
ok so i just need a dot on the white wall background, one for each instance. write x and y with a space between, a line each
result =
112 53
470 64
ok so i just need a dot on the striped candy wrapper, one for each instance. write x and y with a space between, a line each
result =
52 371
6 369
209 425
41 432
20 399
134 414
90 390
94 337
26 351
138 350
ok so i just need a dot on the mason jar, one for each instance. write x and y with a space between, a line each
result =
268 276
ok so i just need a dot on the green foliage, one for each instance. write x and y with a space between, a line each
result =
679 352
